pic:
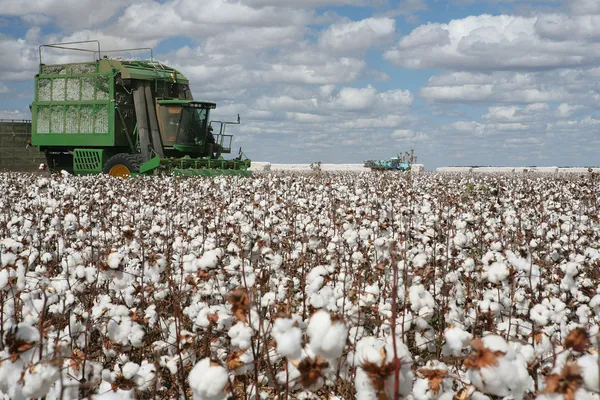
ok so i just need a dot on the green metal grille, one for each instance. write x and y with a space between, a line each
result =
73 107
88 161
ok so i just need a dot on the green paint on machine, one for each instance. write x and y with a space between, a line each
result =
89 116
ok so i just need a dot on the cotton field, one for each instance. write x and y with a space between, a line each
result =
300 285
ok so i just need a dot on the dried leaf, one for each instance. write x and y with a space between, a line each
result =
578 340
240 302
463 394
16 346
77 358
311 370
482 357
435 377
233 360
378 374
123 383
565 383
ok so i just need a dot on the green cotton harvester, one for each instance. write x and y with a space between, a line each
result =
125 117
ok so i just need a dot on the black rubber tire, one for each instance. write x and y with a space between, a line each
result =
131 161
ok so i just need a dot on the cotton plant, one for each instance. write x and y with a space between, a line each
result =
103 267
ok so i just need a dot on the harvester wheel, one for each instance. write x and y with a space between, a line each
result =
122 165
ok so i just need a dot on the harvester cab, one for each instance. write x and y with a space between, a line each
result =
125 117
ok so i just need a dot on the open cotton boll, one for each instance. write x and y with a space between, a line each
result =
129 370
420 260
268 299
114 260
455 340
372 357
539 314
495 368
588 365
38 380
327 336
210 259
208 380
460 240
497 272
433 382
420 298
241 335
3 278
288 338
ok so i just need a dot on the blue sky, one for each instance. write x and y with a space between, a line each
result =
463 82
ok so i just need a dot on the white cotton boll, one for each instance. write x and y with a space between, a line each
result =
496 246
364 387
114 260
422 389
8 259
589 371
171 363
136 335
420 298
129 370
291 375
314 279
105 392
379 354
241 335
455 340
357 256
351 237
146 374
509 376
208 381
210 259
497 272
288 338
425 340
583 313
12 245
268 299
327 337
539 314
406 376
460 240
3 278
420 260
274 261
519 263
38 380
334 341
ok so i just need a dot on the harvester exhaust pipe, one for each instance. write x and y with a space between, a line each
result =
156 140
139 101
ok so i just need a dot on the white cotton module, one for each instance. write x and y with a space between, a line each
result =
208 381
